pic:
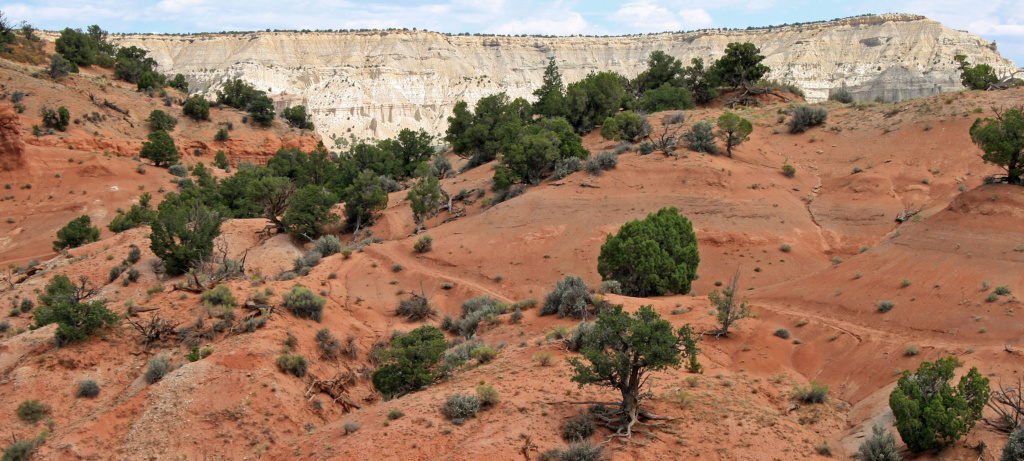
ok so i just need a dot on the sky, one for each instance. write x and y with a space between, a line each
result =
999 20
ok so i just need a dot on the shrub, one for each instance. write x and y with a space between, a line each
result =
26 304
812 393
701 138
484 354
5 326
488 396
221 136
458 407
579 452
134 255
578 335
805 117
327 344
610 286
991 297
516 317
569 298
788 170
88 388
160 120
652 257
115 272
932 414
292 363
75 320
76 233
885 306
578 428
302 303
416 308
178 170
33 411
606 160
19 450
219 297
350 427
841 96
1014 448
786 248
327 245
566 166
543 358
782 333
158 368
645 148
424 244
1002 290
395 414
911 351
197 107
410 362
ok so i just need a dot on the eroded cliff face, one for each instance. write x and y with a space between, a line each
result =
373 84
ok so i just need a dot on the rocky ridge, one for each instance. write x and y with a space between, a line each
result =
374 83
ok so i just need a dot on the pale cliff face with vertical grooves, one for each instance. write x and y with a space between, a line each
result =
372 84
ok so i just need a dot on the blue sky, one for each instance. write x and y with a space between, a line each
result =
1000 20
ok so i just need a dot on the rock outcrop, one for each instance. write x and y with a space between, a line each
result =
12 147
372 84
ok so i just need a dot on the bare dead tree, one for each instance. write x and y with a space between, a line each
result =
213 269
153 331
1008 404
908 212
334 387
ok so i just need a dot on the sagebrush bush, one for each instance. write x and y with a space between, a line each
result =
327 344
578 428
459 406
484 354
885 306
88 388
585 451
881 446
159 366
805 117
645 148
327 245
395 414
350 427
292 363
416 308
19 450
788 170
1002 290
570 298
566 166
606 160
219 297
33 411
812 393
310 259
610 286
26 304
134 255
424 244
302 303
1014 448
782 333
701 138
592 167
578 336
488 396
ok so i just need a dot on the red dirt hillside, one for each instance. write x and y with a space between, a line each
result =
844 252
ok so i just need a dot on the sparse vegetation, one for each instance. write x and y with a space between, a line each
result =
569 298
804 117
812 393
33 411
295 364
885 306
459 406
880 446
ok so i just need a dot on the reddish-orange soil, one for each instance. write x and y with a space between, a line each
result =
845 253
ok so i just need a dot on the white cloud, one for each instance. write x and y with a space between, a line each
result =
645 15
571 23
696 18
